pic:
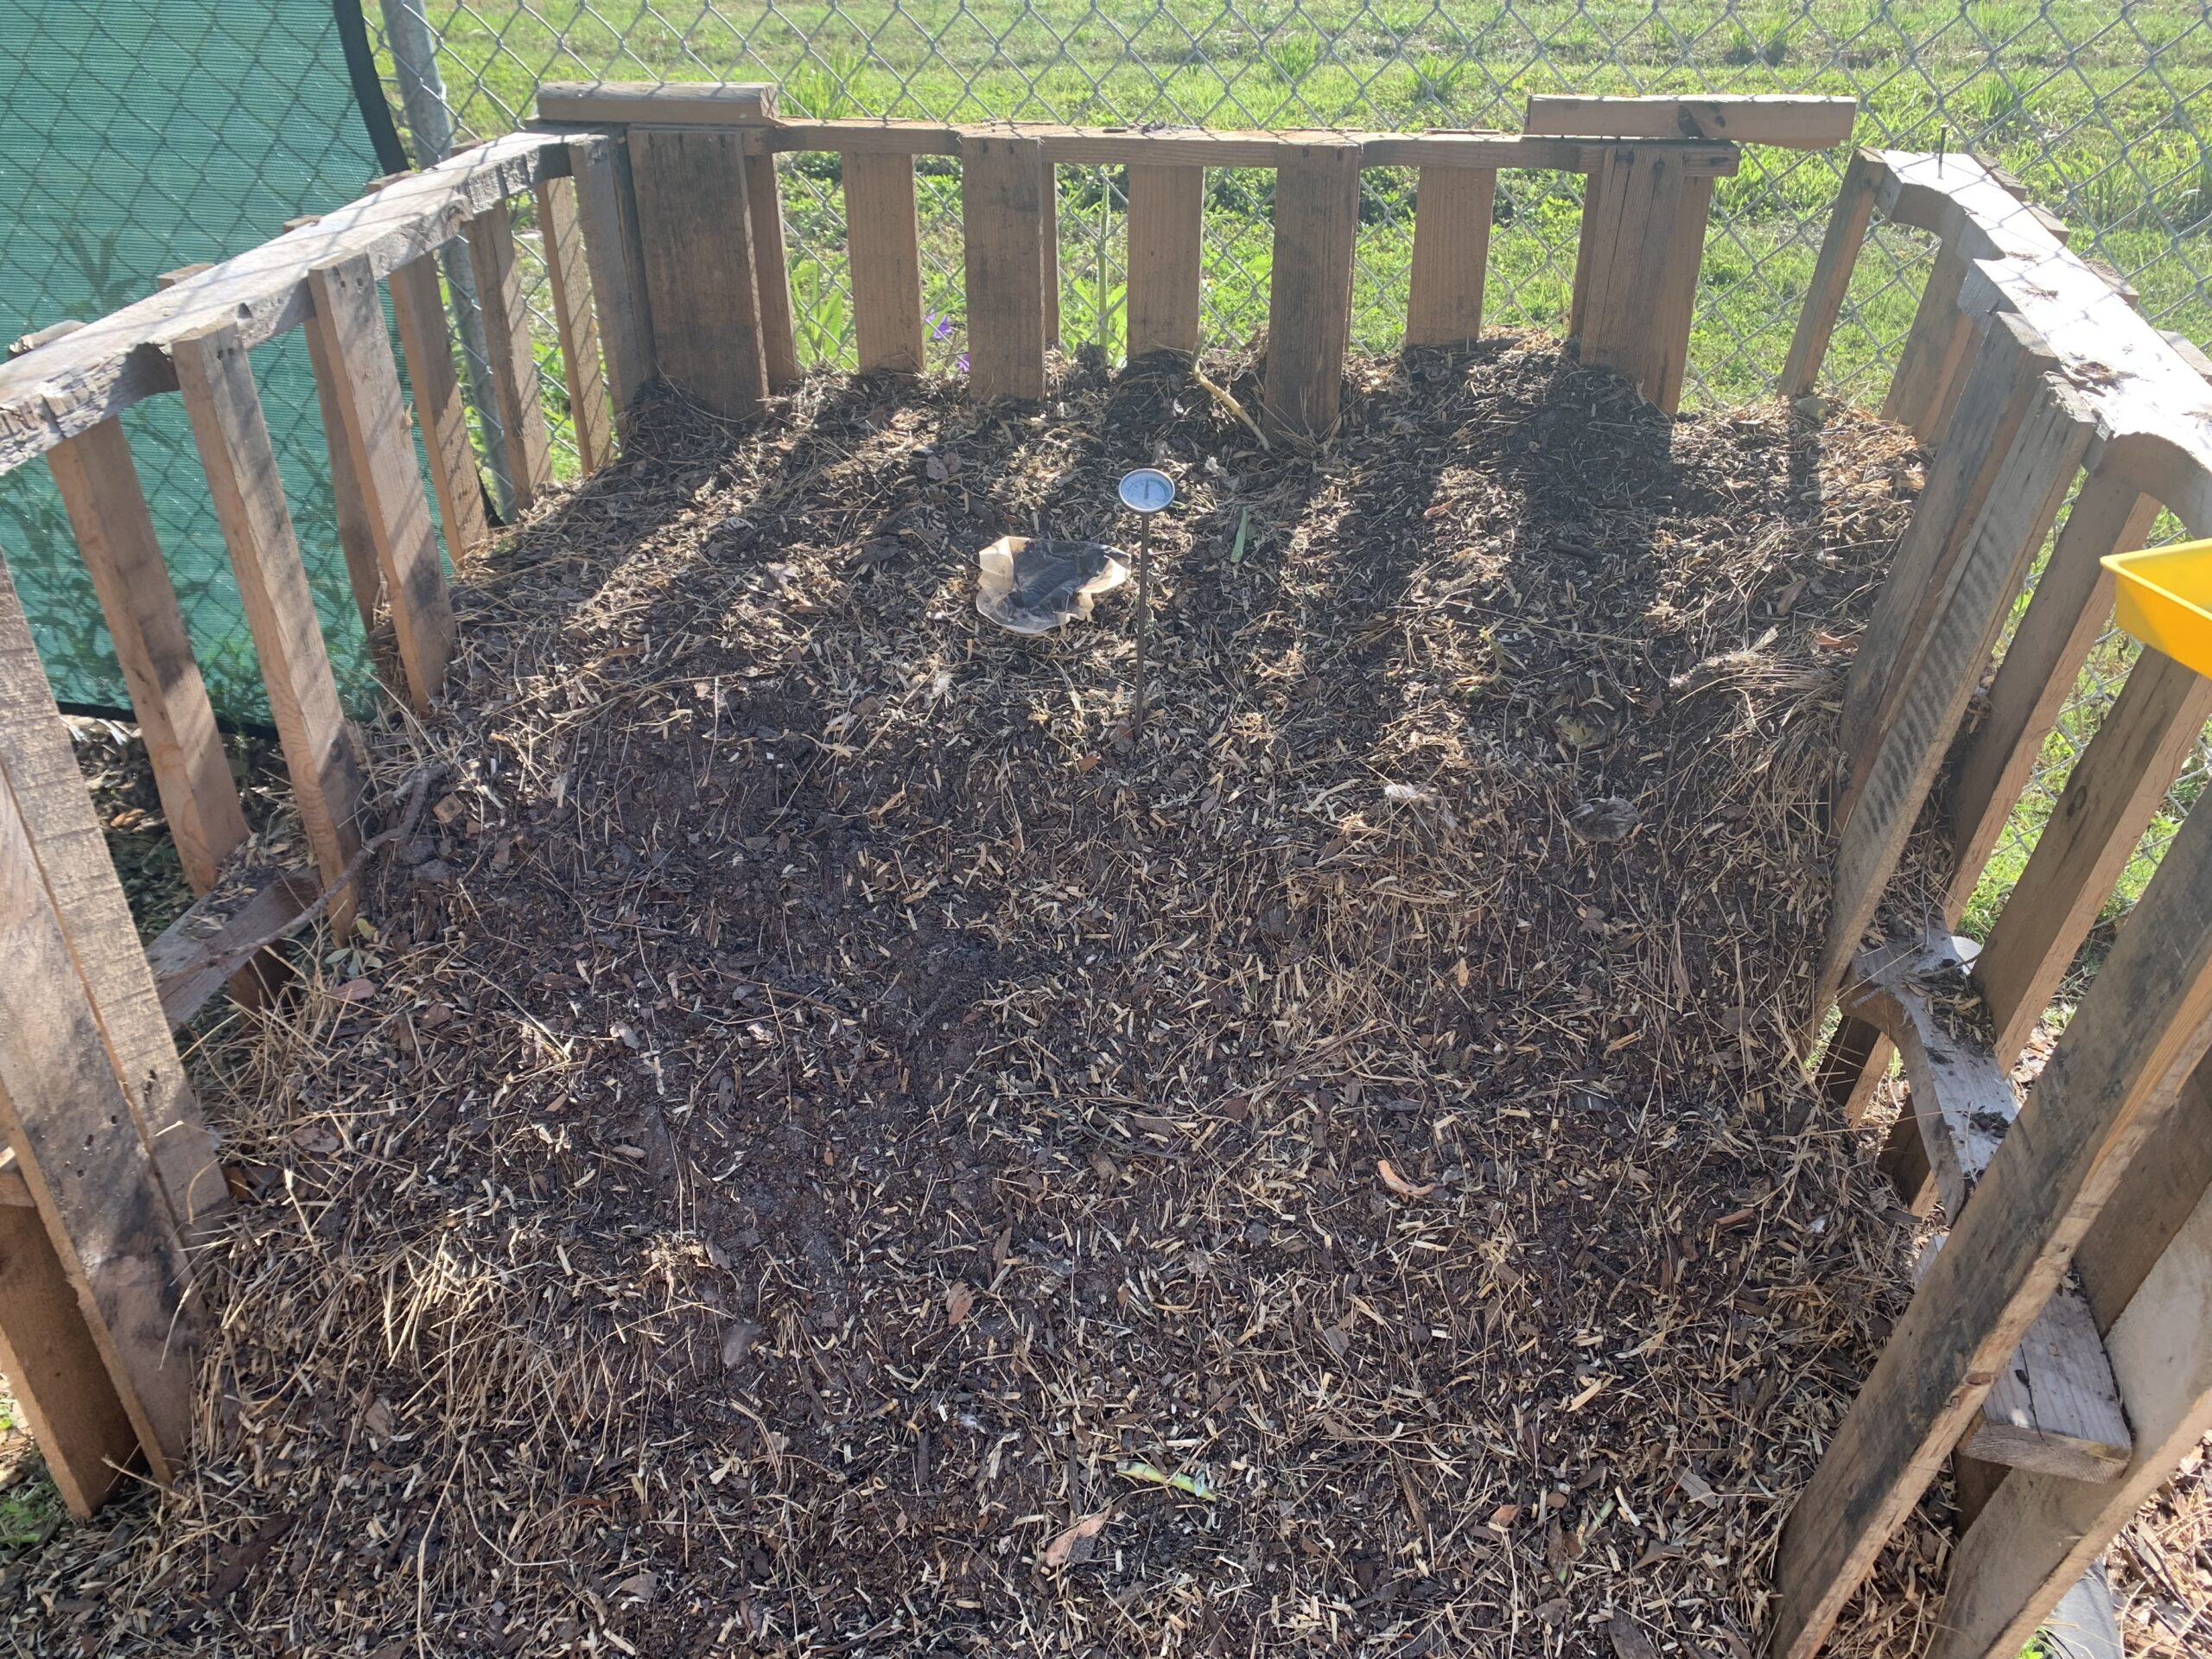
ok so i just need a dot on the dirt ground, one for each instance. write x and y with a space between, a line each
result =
838 1144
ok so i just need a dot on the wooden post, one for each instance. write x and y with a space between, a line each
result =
568 284
608 213
1309 292
771 273
884 251
115 534
1635 262
349 324
1451 214
1002 217
1167 208
694 230
1855 209
2142 1028
1675 314
356 537
217 383
1937 679
1049 272
514 358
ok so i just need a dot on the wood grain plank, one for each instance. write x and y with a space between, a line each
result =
884 250
114 531
357 540
2141 1029
1451 215
2055 1407
418 307
513 356
606 211
1634 242
320 752
764 205
1002 217
2113 790
2038 1533
1309 294
39 763
652 103
1938 679
55 1369
78 1142
695 231
1934 348
568 278
1675 314
1167 258
1049 258
1831 280
1762 119
2066 615
372 417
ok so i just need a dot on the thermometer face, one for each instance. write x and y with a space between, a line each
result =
1147 490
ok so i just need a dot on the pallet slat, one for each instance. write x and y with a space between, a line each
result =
1792 123
568 278
1166 258
191 957
1824 295
54 1369
240 462
419 309
695 231
514 358
1309 294
1452 216
1934 349
357 537
606 211
1632 244
372 417
1002 212
884 250
114 531
763 204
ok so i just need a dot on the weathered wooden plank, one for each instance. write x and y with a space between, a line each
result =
320 755
2038 1533
39 765
2067 615
1309 297
606 211
419 309
2110 796
194 955
1451 215
1938 677
2140 1029
1792 123
106 368
2055 1406
1934 349
1630 241
78 1141
1167 258
764 203
115 534
1676 311
54 1369
619 103
1824 295
1050 262
884 251
357 540
1002 214
513 356
372 419
695 231
2005 379
560 233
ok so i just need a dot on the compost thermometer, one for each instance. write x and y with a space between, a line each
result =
1145 491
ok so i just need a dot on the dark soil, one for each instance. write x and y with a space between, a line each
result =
838 1144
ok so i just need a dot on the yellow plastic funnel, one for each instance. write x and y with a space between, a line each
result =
2163 598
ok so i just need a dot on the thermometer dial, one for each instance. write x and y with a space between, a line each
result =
1147 490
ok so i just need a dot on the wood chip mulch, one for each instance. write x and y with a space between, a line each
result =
841 1146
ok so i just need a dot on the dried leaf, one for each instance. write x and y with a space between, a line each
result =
1628 1643
1399 1185
1075 1544
1504 1515
959 1302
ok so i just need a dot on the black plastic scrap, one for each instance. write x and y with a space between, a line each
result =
1034 585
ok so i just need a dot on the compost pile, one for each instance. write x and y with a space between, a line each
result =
839 1144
